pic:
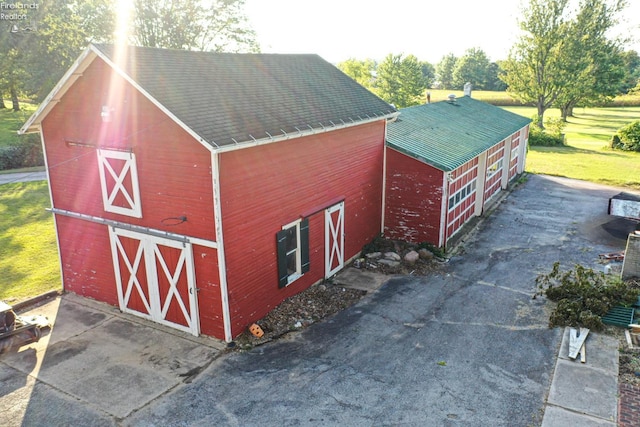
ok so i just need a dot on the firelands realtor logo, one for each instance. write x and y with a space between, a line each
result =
16 11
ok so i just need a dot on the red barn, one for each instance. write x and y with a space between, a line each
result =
445 161
199 190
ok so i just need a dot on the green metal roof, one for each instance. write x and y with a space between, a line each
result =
448 134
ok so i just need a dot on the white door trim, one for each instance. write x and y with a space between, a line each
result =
334 239
157 305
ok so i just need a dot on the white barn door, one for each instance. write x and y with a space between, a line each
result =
155 279
334 239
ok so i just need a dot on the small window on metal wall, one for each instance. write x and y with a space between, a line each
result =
293 251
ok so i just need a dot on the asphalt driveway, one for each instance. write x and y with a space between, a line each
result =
464 346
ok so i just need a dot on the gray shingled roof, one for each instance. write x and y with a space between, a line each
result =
447 135
229 98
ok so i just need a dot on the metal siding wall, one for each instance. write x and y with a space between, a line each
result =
492 186
515 149
413 199
462 212
268 186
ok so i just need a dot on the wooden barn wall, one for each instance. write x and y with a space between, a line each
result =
87 268
266 187
174 170
413 199
205 262
462 196
174 174
495 158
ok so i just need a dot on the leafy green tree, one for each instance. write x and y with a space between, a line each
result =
493 77
595 63
361 71
534 70
428 73
207 25
60 38
400 81
444 71
471 67
631 61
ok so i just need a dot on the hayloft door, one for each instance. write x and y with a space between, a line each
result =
155 278
334 239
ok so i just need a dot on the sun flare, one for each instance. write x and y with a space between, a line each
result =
123 11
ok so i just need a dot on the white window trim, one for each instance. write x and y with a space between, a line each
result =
495 168
469 188
298 273
109 195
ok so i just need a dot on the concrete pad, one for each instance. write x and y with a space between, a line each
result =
105 360
24 401
364 280
559 417
584 389
602 352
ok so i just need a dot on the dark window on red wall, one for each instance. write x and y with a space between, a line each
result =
293 251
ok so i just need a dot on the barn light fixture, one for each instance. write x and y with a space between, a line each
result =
105 114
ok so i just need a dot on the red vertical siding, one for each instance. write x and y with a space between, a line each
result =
174 174
268 186
413 199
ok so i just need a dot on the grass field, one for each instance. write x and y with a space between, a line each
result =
586 155
503 98
27 242
11 121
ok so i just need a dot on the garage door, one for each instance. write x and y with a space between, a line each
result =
155 278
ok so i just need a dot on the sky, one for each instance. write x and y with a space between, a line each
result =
429 29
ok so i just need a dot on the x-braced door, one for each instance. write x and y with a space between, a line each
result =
334 239
155 278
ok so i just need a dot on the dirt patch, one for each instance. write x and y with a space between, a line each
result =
323 300
301 310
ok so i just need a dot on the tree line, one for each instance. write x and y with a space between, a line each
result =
564 58
402 80
41 42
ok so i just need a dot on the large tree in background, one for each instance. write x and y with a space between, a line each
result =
399 80
631 61
534 71
62 33
471 67
444 71
362 72
564 58
493 77
594 63
208 25
428 73
34 56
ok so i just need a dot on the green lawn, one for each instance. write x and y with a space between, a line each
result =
27 242
11 121
586 155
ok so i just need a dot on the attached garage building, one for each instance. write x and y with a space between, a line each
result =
444 162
